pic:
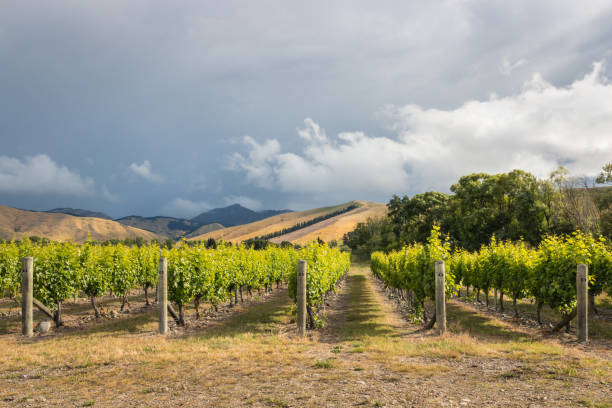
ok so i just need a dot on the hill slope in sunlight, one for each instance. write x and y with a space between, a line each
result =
15 224
330 229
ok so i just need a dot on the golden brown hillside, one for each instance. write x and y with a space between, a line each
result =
330 229
334 228
17 224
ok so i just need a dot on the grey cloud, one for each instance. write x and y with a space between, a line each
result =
117 82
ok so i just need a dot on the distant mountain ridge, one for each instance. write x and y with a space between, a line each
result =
58 225
77 212
171 227
208 221
167 226
233 215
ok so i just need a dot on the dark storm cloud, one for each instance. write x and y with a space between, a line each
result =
146 102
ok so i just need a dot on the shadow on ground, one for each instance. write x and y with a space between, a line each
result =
463 319
358 314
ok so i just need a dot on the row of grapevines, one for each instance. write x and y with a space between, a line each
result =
546 274
195 274
411 270
325 267
62 270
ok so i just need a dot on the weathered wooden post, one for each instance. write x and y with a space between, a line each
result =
440 298
162 295
27 294
582 298
301 297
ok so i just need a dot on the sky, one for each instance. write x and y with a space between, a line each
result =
172 108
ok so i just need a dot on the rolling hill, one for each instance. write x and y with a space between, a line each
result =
328 230
17 224
334 228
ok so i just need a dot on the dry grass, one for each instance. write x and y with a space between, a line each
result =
368 355
600 326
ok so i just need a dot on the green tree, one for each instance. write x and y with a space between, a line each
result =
605 177
376 234
508 205
413 218
603 200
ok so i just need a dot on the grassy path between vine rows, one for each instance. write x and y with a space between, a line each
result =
367 355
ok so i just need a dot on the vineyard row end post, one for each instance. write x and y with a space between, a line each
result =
582 298
162 295
440 298
27 295
301 297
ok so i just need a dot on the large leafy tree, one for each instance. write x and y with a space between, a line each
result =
508 205
373 235
413 218
603 200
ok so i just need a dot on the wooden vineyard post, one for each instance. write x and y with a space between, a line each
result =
162 295
301 297
27 295
440 298
582 302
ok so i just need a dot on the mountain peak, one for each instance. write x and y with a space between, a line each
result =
234 214
236 205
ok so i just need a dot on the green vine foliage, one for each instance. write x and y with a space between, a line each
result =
546 274
94 272
195 273
57 273
325 266
10 270
413 268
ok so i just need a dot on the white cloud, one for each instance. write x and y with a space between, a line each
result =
312 132
535 130
259 163
180 207
244 201
144 170
40 175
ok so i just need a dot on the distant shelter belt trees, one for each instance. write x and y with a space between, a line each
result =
509 206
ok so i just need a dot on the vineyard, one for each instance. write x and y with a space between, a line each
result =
365 351
368 349
546 274
196 274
